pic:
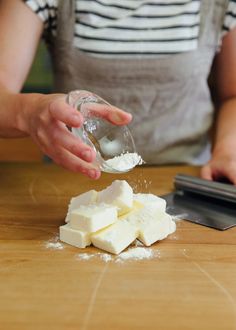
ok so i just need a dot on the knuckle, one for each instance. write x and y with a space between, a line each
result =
43 117
59 155
40 135
54 136
231 165
74 149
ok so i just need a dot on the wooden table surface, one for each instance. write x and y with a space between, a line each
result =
190 284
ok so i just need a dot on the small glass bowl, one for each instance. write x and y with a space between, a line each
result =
112 144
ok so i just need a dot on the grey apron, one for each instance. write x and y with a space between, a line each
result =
168 96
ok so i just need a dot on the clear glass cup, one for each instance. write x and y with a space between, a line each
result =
114 145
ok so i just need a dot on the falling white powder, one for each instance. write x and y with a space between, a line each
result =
139 183
125 162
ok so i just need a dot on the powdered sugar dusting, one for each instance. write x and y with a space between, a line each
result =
87 256
106 257
137 243
84 256
178 217
137 253
54 244
132 254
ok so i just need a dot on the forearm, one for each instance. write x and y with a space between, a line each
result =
13 110
225 136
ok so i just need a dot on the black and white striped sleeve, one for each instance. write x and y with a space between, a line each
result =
230 17
45 9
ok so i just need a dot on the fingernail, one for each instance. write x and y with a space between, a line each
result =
86 155
93 174
76 119
116 117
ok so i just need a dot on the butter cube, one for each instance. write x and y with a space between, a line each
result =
73 237
116 237
137 206
89 197
152 225
152 201
92 218
119 194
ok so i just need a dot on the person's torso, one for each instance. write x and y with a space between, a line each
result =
167 95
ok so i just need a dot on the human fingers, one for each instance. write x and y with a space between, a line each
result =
53 140
113 114
69 161
206 172
74 164
229 172
60 110
220 170
61 136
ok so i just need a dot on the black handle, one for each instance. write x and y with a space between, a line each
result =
212 189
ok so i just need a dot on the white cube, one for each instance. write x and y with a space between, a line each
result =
116 237
152 201
89 197
120 194
92 218
73 237
153 225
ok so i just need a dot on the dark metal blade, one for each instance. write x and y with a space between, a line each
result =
203 210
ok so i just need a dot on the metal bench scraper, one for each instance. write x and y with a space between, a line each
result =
207 203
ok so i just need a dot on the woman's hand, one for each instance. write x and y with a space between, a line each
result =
46 122
222 164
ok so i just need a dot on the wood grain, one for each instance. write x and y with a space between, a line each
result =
190 284
19 150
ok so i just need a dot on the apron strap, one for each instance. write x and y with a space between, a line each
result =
212 19
66 20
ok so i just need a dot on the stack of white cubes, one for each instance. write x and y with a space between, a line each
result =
113 218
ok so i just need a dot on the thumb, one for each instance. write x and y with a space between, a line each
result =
206 172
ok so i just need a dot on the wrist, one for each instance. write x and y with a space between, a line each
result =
224 147
27 104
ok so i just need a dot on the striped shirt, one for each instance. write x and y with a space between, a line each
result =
133 27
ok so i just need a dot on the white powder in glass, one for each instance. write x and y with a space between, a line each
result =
125 161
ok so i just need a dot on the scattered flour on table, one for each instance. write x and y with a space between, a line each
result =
178 217
137 243
125 161
137 253
85 256
132 254
54 244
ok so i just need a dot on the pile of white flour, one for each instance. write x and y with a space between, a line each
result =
124 162
132 254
